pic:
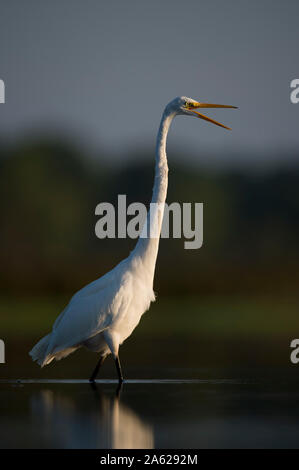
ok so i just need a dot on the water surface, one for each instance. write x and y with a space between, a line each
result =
170 413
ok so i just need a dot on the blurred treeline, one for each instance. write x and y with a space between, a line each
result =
49 191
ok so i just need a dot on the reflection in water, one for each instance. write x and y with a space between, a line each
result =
212 414
101 421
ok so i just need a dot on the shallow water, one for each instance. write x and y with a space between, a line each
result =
216 413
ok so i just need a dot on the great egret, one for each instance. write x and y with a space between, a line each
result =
105 312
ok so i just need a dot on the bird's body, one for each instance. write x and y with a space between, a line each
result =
101 315
105 312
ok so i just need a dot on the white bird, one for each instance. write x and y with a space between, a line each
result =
105 312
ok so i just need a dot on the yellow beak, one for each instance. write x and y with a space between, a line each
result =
208 105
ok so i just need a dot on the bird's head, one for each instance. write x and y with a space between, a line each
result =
187 106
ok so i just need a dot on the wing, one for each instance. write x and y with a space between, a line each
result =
89 314
102 284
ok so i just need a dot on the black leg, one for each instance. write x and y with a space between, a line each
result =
119 372
118 390
95 372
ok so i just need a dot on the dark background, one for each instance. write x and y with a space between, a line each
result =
86 83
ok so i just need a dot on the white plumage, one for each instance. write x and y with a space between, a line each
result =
105 312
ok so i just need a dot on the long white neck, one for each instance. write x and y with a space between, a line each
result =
146 248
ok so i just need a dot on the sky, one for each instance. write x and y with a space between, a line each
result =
102 72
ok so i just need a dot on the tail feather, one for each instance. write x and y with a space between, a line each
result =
41 354
38 352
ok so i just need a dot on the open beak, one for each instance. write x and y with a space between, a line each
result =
207 105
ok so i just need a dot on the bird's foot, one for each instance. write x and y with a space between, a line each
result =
119 388
93 385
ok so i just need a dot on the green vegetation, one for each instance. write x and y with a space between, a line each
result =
242 285
49 191
222 317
